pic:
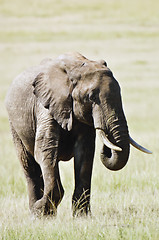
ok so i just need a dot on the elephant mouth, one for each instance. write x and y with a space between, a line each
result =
110 146
107 152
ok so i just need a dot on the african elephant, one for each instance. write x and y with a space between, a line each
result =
54 111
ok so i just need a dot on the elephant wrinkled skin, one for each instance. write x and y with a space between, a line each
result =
54 111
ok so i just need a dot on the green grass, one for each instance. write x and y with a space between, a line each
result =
125 204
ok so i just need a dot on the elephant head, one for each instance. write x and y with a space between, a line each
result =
74 87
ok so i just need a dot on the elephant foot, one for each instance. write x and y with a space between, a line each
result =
81 203
81 211
81 208
44 207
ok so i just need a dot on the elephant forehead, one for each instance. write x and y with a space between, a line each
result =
97 74
93 66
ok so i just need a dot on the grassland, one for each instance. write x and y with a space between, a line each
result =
125 204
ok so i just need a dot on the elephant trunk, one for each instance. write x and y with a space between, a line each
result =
116 140
114 160
116 156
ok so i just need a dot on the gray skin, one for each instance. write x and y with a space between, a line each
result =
54 110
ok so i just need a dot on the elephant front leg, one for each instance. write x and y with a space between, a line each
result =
83 162
53 191
46 154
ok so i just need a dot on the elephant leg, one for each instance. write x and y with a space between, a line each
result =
53 190
31 170
46 154
83 162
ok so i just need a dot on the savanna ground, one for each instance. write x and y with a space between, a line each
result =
125 204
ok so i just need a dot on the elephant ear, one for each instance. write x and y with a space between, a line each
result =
51 87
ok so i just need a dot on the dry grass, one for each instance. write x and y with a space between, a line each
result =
125 204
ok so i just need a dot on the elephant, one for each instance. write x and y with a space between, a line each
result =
55 110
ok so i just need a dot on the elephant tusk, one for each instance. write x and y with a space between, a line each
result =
139 147
107 142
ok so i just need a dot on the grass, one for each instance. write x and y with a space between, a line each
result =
125 204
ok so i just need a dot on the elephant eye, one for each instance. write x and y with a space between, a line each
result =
83 64
94 96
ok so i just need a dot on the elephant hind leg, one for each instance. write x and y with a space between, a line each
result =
31 170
